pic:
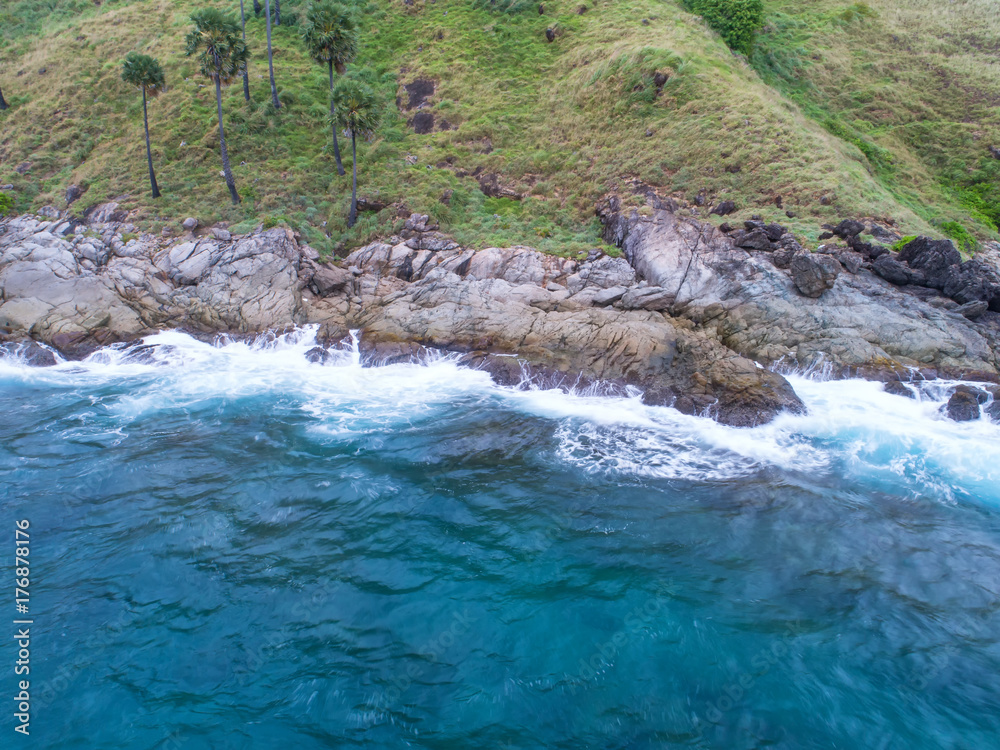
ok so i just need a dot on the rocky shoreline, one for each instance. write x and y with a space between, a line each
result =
694 316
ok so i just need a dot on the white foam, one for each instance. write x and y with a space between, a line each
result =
851 427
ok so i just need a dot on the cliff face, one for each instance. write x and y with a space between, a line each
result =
686 316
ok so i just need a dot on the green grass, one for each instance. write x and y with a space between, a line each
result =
831 116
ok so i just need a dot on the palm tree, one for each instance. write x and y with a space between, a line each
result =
277 12
222 55
331 39
144 72
359 113
270 56
246 81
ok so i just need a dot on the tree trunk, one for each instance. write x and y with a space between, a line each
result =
352 217
333 119
246 80
257 8
149 153
277 12
230 182
270 58
3 102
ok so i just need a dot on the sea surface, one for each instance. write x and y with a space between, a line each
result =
234 547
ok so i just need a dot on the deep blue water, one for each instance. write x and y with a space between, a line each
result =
235 548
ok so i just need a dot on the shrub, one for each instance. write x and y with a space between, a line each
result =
6 204
962 237
736 21
902 242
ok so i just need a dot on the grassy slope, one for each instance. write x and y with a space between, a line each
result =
566 120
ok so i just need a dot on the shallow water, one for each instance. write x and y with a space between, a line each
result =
236 548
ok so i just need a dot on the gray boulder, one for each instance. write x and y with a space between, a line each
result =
813 274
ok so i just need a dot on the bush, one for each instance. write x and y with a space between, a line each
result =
6 204
736 21
962 237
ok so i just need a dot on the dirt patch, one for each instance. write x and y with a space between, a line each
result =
418 92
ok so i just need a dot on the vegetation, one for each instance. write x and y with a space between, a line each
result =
6 204
144 72
331 39
358 112
737 21
221 56
885 110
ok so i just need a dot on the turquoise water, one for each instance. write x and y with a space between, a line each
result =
236 548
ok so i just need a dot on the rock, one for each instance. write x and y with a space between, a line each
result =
423 123
974 281
50 212
897 388
973 310
851 261
648 298
847 228
23 167
893 270
329 280
491 187
73 193
934 258
370 205
29 352
550 34
774 232
221 234
190 224
994 151
964 403
609 296
814 274
724 208
755 240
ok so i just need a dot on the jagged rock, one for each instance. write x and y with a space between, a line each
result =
974 281
973 310
964 403
755 240
724 208
847 228
774 232
890 268
897 388
190 224
73 193
934 258
28 351
423 123
328 280
851 261
813 274
221 234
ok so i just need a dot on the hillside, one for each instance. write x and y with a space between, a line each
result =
881 110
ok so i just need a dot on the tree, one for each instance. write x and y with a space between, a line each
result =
331 39
257 8
221 55
144 72
277 12
246 73
270 55
358 112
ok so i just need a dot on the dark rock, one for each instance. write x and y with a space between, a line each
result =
782 258
892 270
994 151
790 214
813 274
734 168
490 185
881 233
445 125
423 123
964 403
446 197
973 310
73 193
897 388
23 167
755 240
934 258
826 236
700 199
370 205
581 10
30 352
848 228
541 9
974 281
752 224
418 92
319 355
724 208
825 200
550 34
774 232
726 228
851 261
